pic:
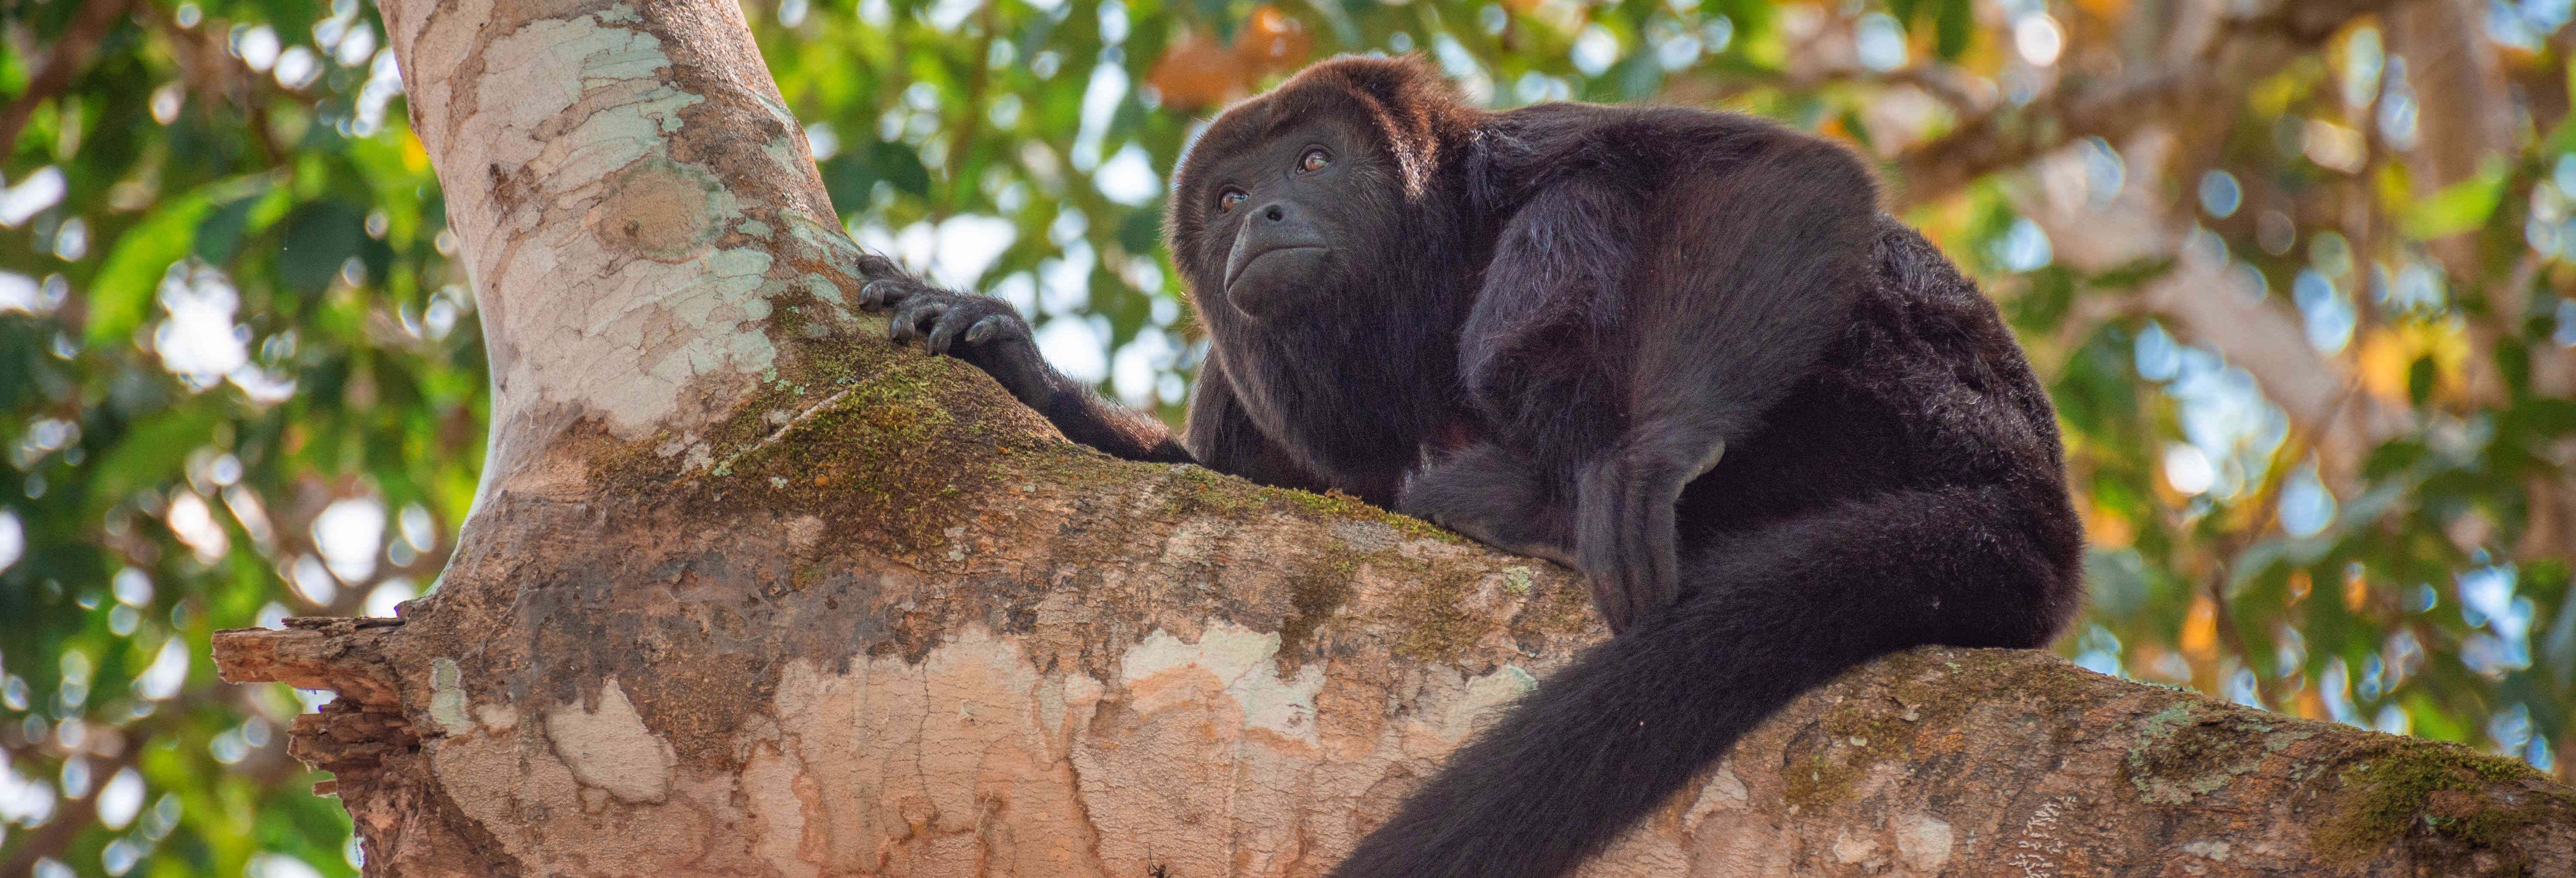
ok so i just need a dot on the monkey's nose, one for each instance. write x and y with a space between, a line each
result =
1275 212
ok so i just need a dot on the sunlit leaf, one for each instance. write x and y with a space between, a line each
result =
2459 207
121 297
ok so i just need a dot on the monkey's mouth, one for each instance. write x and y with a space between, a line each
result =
1277 258
1262 284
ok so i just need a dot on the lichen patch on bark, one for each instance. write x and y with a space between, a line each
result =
609 748
447 697
1238 664
662 210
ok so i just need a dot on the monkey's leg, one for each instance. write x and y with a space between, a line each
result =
1770 615
1500 497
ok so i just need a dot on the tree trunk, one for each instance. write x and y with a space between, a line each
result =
749 592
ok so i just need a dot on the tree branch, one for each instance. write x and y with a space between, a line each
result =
2208 303
69 57
1936 761
2244 49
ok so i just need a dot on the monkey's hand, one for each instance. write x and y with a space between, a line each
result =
982 330
1625 533
1493 496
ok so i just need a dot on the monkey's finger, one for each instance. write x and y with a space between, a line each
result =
895 331
907 322
987 329
873 296
916 321
945 332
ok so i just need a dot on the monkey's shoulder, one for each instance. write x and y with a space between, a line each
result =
1913 288
1642 139
1566 125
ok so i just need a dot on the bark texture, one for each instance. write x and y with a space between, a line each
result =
748 592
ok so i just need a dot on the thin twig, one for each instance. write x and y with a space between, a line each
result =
2267 506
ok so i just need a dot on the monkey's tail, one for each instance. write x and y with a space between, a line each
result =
1768 616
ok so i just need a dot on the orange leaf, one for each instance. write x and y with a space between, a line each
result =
1272 42
2388 354
1196 72
2356 590
2106 526
2107 10
2200 629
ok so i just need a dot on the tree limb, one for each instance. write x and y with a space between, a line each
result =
69 57
2245 48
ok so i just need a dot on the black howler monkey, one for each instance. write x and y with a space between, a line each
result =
1680 351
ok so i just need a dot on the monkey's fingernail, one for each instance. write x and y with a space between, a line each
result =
983 330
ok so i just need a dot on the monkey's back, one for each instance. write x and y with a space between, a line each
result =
1923 388
1647 151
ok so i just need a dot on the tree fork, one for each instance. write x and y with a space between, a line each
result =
748 591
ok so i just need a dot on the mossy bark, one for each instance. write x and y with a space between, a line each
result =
750 592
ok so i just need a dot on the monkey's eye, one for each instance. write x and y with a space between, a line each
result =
1226 200
1314 160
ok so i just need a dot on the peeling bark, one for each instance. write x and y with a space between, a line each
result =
748 592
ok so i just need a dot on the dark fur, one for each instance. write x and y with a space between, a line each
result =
1680 350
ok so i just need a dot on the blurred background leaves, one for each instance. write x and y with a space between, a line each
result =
2297 271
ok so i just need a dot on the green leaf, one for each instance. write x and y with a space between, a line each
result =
848 177
153 453
1953 25
2549 417
2045 302
122 295
121 298
897 163
319 237
2459 207
219 235
219 238
2563 137
1141 232
2130 275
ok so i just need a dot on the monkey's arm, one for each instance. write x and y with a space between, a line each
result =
1628 331
1545 356
986 332
1498 496
1222 436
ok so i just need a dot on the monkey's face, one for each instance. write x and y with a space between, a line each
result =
1274 215
1269 225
